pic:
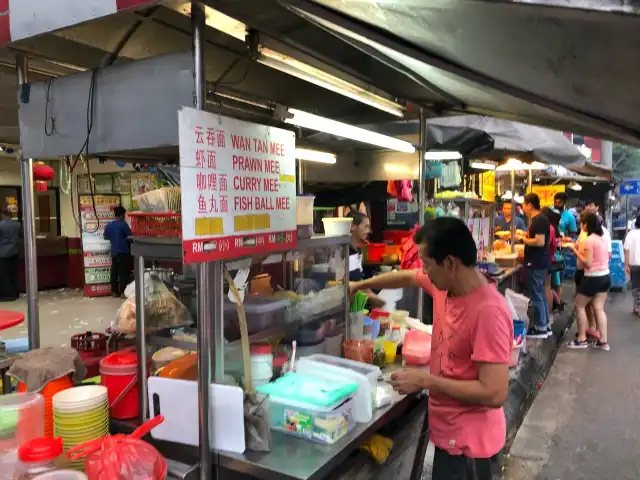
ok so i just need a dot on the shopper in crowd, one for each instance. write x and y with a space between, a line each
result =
632 263
567 226
537 264
595 285
360 231
10 240
119 233
468 377
593 207
554 280
592 328
503 221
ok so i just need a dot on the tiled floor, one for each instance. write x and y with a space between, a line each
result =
64 313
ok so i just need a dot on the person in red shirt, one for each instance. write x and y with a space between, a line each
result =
468 379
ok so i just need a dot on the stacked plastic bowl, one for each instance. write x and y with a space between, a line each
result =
80 414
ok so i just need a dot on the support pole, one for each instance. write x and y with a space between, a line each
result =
300 177
205 271
421 190
141 340
29 225
530 180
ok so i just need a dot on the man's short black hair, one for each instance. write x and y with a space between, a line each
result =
356 217
591 202
561 196
532 199
638 221
119 211
448 236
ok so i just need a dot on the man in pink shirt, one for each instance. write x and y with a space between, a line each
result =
468 379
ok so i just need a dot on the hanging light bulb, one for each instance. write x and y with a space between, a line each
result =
575 186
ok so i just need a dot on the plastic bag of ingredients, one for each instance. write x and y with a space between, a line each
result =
162 309
122 457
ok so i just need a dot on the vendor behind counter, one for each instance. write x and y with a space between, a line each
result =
360 231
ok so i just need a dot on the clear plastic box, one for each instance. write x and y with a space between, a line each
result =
321 425
262 313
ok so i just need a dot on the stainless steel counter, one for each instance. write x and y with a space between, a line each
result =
293 458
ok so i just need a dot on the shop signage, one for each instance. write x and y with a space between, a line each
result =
546 193
238 187
630 187
96 250
488 186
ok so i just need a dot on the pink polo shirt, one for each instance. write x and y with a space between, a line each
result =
474 328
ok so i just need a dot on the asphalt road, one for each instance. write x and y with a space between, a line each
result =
585 421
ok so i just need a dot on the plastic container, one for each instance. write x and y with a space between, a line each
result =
119 375
373 252
309 390
306 350
390 351
371 372
261 313
321 425
359 350
519 328
47 392
363 396
38 456
21 420
279 360
399 317
62 475
356 326
183 368
261 364
336 226
416 349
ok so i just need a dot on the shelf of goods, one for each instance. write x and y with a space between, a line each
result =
316 264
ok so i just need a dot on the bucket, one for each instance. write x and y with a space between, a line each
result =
119 375
336 226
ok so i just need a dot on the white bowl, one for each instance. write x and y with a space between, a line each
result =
336 227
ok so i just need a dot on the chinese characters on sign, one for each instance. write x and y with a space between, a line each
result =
238 187
546 193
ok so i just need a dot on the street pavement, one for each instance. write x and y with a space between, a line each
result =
585 422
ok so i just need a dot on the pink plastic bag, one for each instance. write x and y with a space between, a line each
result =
122 457
416 349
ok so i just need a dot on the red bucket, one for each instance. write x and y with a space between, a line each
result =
119 375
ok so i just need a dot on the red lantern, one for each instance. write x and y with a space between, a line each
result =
42 173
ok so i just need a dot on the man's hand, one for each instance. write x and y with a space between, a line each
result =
353 288
627 270
410 380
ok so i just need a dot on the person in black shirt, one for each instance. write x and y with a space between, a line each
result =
537 263
360 230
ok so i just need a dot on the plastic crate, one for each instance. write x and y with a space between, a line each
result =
167 225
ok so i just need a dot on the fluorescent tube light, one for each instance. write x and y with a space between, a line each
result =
311 74
315 156
483 165
218 20
444 155
339 129
516 164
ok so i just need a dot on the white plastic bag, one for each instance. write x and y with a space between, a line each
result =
519 305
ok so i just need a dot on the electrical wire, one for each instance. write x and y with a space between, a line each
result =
48 120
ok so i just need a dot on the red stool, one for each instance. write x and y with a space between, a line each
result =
10 319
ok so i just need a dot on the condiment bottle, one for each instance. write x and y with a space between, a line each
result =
37 456
396 335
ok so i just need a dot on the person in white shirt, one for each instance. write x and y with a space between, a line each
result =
632 263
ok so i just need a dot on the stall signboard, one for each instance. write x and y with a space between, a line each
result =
480 229
488 186
103 183
546 193
238 187
84 186
95 213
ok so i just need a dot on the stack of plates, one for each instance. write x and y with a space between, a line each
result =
80 414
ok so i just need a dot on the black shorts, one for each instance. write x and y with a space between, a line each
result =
459 467
578 277
635 277
592 285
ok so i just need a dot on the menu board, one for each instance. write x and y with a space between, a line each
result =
547 193
122 183
97 250
238 187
